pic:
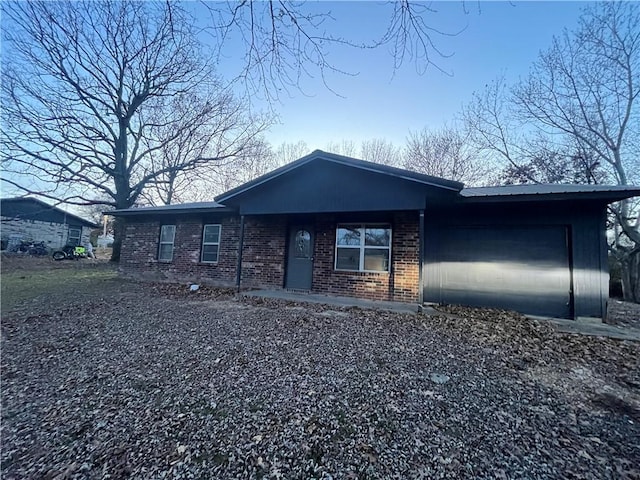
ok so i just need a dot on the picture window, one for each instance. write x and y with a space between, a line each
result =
363 247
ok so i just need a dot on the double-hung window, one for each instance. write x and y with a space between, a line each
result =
167 237
363 247
211 243
73 236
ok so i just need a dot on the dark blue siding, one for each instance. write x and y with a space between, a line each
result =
329 187
501 231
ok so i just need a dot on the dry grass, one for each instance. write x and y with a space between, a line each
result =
27 280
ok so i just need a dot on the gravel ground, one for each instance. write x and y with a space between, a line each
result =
624 314
148 381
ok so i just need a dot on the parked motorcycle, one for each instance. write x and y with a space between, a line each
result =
70 252
31 248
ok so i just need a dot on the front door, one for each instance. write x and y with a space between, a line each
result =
300 261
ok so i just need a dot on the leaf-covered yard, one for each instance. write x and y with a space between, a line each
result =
122 379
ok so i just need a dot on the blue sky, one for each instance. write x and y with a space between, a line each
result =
497 38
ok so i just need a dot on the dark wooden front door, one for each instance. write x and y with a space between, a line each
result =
300 261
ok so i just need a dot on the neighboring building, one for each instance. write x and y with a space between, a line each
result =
336 225
32 219
104 241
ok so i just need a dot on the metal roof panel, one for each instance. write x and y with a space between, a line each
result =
196 207
550 191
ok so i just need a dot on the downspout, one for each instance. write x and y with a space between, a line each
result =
240 248
421 262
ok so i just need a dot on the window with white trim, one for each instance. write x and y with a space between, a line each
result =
165 248
363 247
73 236
211 243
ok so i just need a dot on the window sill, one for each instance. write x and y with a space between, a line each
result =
377 272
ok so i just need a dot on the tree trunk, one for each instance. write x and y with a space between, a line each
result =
630 266
121 178
118 235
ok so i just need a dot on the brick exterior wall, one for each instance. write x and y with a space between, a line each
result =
264 256
401 284
139 257
264 252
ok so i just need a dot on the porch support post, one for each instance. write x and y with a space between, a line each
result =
420 261
240 248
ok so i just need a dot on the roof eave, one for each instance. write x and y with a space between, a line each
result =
136 212
607 197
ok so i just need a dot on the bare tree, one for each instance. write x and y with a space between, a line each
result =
376 150
343 147
496 133
379 150
446 153
90 93
256 159
547 161
259 160
288 152
254 162
582 96
288 42
586 86
500 136
222 135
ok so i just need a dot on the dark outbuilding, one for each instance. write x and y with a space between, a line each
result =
336 225
27 218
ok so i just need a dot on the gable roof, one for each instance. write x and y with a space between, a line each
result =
319 155
507 193
327 182
193 207
29 208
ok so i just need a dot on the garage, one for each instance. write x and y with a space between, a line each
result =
523 268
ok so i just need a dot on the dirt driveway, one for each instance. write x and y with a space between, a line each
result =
149 381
